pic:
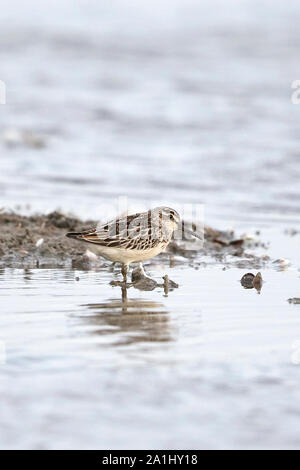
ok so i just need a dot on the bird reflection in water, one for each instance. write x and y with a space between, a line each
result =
130 320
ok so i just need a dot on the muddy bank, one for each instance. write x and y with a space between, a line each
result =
40 240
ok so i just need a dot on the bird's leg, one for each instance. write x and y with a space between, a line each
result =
112 266
166 285
124 272
124 298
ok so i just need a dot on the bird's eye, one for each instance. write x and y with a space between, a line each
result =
172 215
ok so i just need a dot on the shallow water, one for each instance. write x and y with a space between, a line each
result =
86 370
188 102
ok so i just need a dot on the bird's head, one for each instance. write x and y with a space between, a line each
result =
175 222
171 216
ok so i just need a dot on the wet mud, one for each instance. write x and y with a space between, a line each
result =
40 241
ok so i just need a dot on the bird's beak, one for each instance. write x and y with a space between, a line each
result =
187 231
194 234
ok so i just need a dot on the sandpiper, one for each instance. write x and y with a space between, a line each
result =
133 238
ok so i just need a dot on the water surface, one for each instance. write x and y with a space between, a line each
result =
86 370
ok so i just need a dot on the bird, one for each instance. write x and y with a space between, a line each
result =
133 238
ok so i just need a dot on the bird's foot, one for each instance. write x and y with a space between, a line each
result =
169 283
124 284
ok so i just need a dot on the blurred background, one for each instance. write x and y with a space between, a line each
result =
181 101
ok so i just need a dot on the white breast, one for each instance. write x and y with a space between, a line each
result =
122 255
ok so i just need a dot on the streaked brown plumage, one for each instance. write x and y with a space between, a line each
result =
133 238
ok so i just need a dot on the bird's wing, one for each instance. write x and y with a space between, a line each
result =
129 232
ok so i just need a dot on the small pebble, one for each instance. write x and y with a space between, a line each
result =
257 281
39 242
295 300
92 256
282 262
249 281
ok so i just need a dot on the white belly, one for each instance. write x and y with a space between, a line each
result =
120 255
